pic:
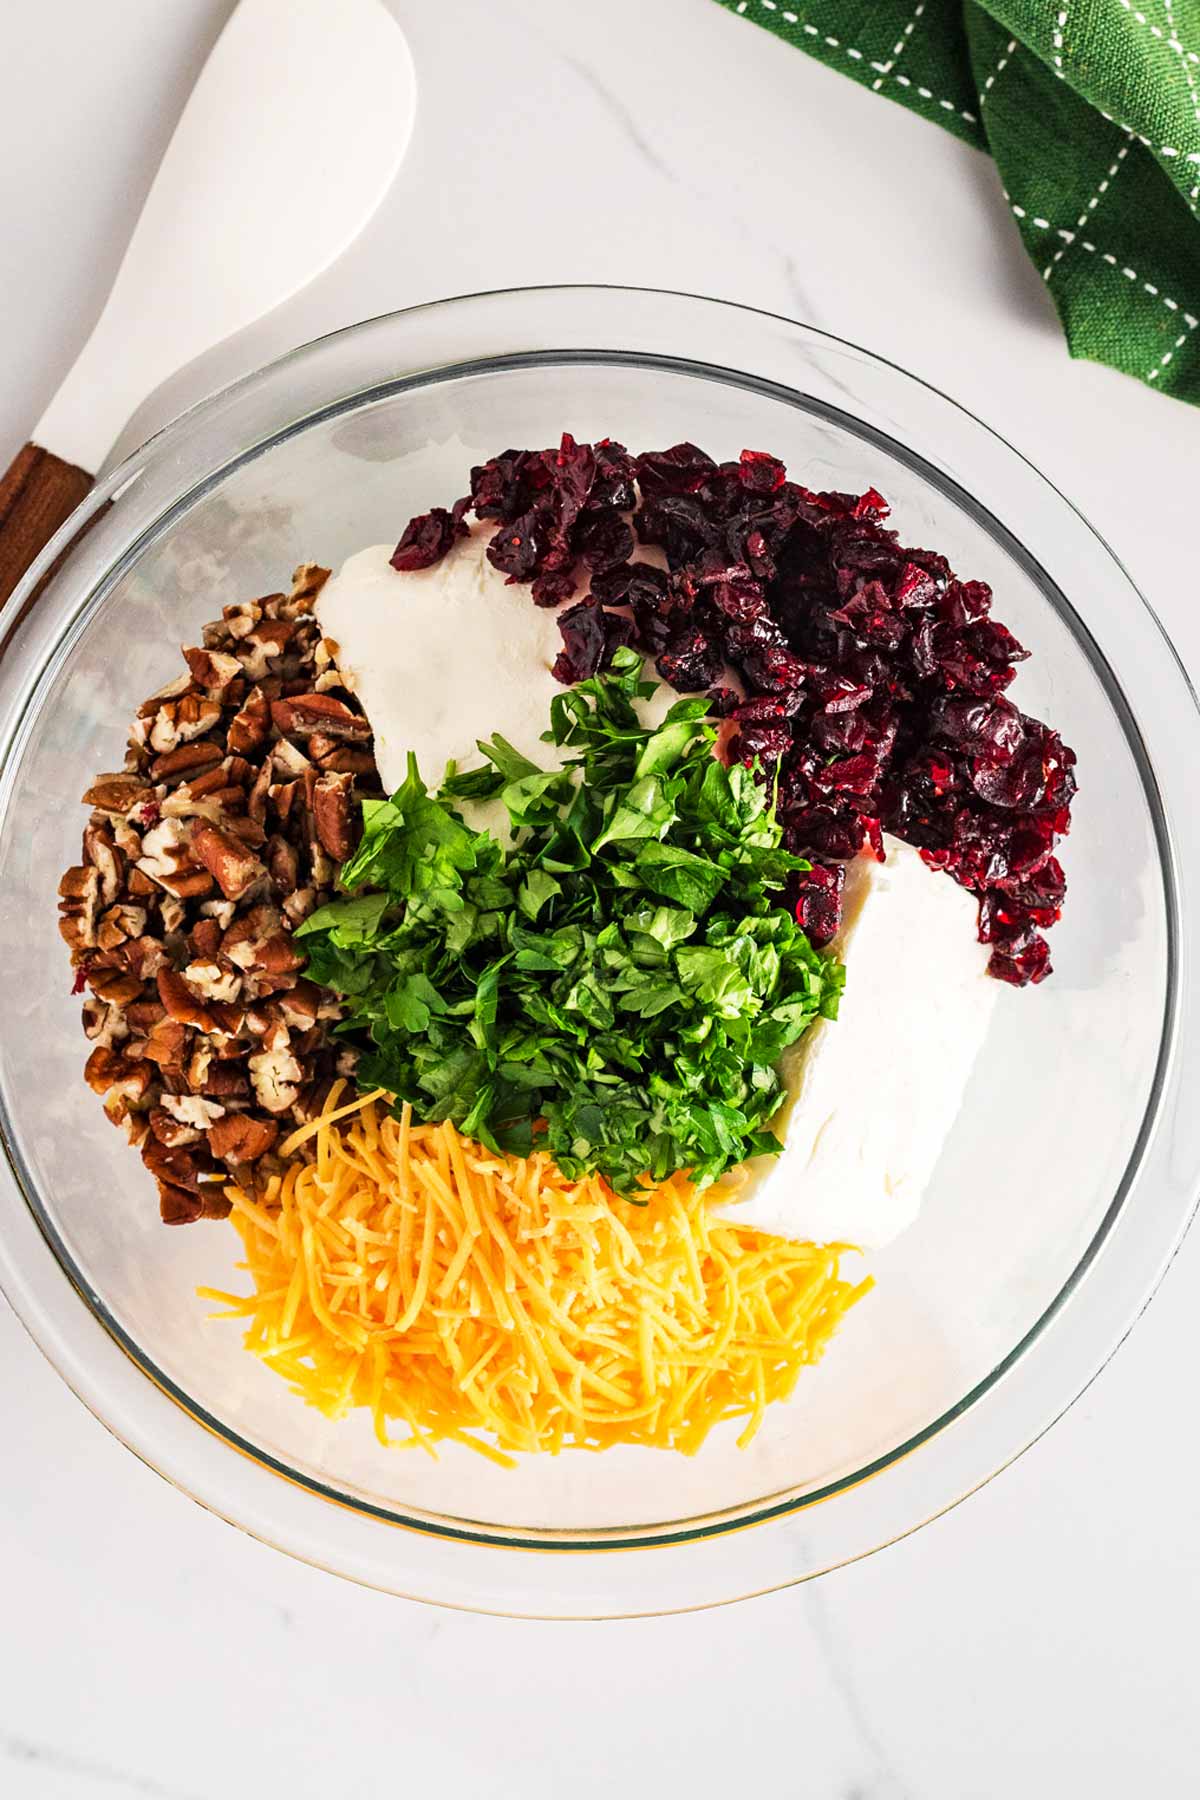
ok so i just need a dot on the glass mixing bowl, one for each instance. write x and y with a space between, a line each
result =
1065 1184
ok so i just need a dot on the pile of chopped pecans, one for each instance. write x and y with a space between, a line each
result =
239 798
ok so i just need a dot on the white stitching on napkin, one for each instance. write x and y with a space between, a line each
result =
882 69
901 45
1059 26
998 70
1173 40
1091 206
1169 355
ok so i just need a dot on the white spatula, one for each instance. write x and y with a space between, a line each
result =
289 141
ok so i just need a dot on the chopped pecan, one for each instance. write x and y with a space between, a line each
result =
188 882
206 977
168 1130
105 1025
297 906
144 1015
119 923
186 761
212 782
301 1004
176 1163
305 713
117 793
212 669
307 581
100 850
334 815
226 1081
240 943
234 868
239 1138
174 690
177 1205
239 619
102 1069
181 1003
142 956
251 726
342 760
275 1076
193 1109
263 646
167 1044
80 891
179 721
111 985
289 761
283 864
279 955
205 938
164 849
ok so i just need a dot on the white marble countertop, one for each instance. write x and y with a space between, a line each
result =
1040 1639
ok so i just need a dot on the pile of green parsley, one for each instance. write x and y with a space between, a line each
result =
617 986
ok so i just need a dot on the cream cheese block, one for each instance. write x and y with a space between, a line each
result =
873 1095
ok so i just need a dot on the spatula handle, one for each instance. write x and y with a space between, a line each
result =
37 493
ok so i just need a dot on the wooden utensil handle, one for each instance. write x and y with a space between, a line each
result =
37 493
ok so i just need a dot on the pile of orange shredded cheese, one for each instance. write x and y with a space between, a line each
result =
491 1301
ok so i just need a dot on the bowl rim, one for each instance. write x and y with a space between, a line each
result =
728 1520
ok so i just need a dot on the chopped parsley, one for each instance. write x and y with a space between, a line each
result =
616 987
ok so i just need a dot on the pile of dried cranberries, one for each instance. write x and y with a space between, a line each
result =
867 675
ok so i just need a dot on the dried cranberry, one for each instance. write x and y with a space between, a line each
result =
571 470
871 505
816 897
766 743
740 600
676 522
916 587
616 472
690 660
590 637
774 670
767 706
1031 964
681 470
722 701
552 588
848 775
761 473
515 548
756 634
426 540
605 541
496 486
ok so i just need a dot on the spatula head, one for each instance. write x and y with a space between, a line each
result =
289 141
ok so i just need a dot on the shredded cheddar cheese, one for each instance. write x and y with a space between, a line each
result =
487 1300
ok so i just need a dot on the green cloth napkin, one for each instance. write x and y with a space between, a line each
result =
1091 109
